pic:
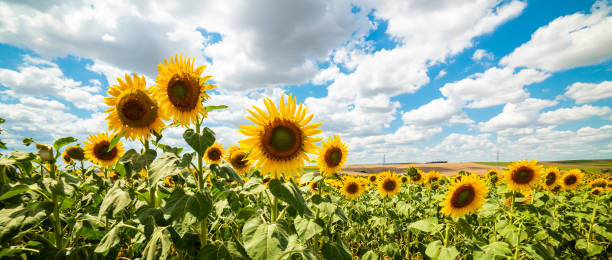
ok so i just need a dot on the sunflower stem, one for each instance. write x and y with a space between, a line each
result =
448 227
512 209
275 209
518 236
592 222
58 225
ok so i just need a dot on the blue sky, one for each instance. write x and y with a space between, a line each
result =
416 81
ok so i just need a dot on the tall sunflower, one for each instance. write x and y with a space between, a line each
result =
373 178
432 177
599 182
132 109
352 188
181 90
551 177
465 196
493 175
66 157
572 179
96 150
417 177
281 138
597 191
389 185
522 175
236 156
332 155
214 153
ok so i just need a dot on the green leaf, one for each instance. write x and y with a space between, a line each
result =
370 255
537 251
110 240
493 250
185 209
436 250
114 141
159 245
602 231
15 222
426 225
211 108
309 177
15 190
268 241
2 145
253 186
391 250
115 201
199 142
59 143
27 141
511 233
307 227
590 248
291 194
336 250
225 250
134 161
166 165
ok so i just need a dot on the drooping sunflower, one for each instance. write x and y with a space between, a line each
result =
522 175
599 182
352 188
75 152
281 138
66 157
96 150
572 179
389 185
465 196
332 155
181 90
133 110
597 191
494 176
236 156
214 153
432 177
551 177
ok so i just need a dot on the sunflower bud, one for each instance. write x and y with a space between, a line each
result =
44 152
76 153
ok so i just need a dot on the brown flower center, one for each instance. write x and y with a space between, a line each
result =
372 178
238 161
333 156
523 175
136 109
214 154
101 151
76 153
463 196
282 140
389 185
570 179
416 177
352 188
550 178
183 92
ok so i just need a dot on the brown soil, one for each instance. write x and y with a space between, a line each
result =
446 169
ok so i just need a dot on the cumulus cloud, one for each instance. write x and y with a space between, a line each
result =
564 115
482 54
567 42
517 115
589 92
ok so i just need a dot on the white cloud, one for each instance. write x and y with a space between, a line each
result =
482 54
564 115
435 112
516 115
326 75
567 42
589 92
441 74
495 86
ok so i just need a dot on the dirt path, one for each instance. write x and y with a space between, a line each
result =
446 169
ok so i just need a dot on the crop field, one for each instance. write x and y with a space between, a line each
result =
97 199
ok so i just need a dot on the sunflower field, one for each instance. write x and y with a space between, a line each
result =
97 199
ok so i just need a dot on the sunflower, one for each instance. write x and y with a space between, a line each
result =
465 196
75 152
417 177
132 109
214 153
494 176
281 138
405 179
314 187
266 180
352 188
597 191
169 181
372 178
432 177
66 157
572 179
332 155
609 185
551 177
96 150
522 175
524 199
181 90
111 175
599 182
389 185
236 156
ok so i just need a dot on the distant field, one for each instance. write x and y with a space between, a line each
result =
501 164
599 162
590 166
